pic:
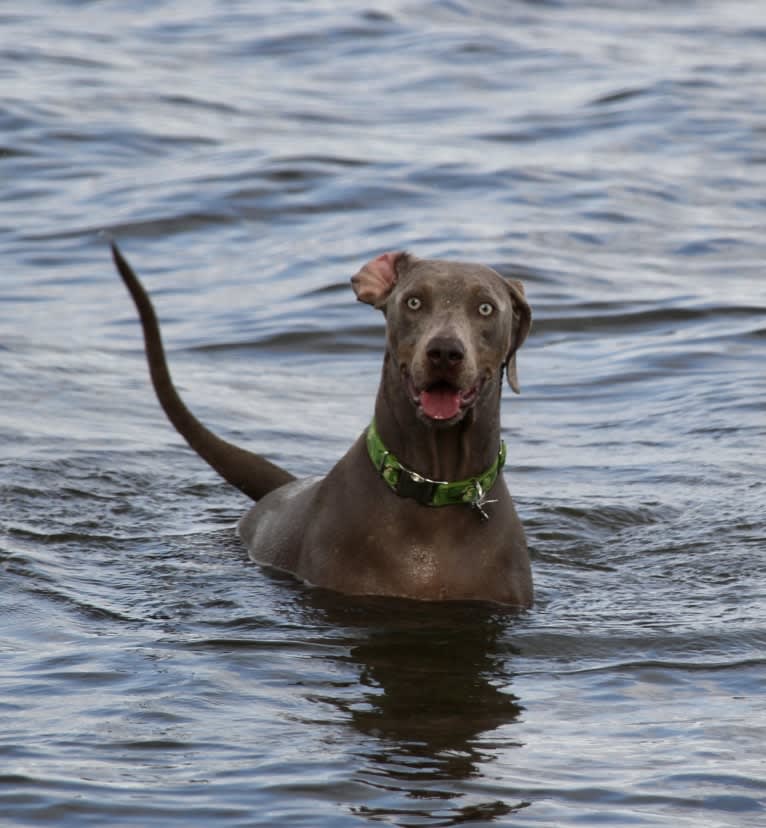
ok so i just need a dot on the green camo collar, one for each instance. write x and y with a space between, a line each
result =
407 483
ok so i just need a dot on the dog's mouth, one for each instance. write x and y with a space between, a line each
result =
441 400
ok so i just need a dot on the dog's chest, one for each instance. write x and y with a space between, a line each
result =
421 565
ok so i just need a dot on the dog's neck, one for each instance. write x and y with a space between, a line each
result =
456 452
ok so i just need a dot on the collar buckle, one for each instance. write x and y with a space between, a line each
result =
412 485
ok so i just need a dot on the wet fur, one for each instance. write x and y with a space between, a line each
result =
348 531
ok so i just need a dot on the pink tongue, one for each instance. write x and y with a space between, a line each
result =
440 403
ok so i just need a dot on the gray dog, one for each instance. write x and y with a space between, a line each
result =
418 507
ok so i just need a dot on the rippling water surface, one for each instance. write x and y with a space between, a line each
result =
250 157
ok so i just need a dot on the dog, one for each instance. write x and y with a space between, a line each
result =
418 507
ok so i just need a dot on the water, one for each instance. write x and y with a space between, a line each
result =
249 158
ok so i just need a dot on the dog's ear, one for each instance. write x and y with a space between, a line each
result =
375 281
522 321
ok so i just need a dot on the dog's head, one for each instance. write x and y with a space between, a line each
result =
452 328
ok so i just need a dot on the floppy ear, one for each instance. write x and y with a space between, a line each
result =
522 321
375 281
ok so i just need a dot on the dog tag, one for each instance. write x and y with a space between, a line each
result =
480 501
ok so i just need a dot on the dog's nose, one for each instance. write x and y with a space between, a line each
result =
445 352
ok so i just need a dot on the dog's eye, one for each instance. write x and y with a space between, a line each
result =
413 303
486 309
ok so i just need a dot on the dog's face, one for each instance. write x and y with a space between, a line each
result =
452 327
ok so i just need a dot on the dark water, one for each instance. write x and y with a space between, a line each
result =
249 158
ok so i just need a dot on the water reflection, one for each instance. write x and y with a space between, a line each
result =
433 684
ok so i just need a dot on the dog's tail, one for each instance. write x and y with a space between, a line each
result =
250 473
